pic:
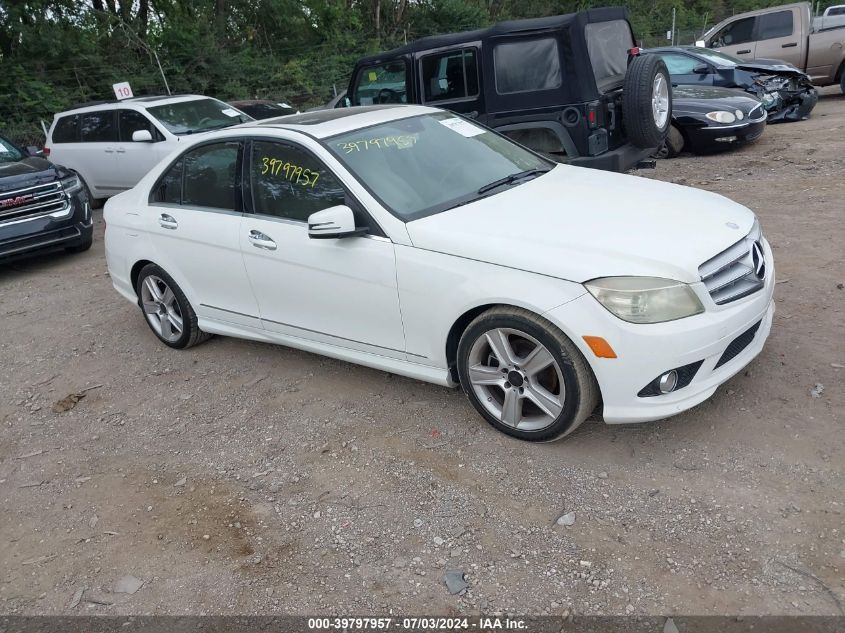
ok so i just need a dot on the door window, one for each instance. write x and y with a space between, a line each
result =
169 189
738 32
449 76
772 25
66 130
383 83
288 182
130 121
210 176
98 127
679 64
527 65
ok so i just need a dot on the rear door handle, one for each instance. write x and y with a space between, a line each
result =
790 45
259 240
743 52
167 221
109 150
120 150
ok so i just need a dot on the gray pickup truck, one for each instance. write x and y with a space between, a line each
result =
788 33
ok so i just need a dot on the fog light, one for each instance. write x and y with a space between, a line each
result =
668 381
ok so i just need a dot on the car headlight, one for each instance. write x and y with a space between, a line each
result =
645 299
71 184
720 116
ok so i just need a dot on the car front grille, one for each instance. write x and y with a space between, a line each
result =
738 344
32 202
738 271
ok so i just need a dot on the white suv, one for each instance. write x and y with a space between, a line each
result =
112 145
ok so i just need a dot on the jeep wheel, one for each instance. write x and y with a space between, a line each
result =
647 101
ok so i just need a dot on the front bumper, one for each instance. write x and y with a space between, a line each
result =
717 137
72 227
644 352
620 159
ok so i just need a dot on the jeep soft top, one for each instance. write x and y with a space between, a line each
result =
569 86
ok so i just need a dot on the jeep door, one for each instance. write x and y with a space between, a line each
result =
448 78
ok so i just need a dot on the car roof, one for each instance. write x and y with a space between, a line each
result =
511 27
138 101
325 123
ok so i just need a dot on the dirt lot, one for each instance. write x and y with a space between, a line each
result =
239 477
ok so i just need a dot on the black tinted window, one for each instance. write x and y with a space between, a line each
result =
774 25
527 65
287 182
452 75
170 186
131 121
98 127
211 176
738 32
66 130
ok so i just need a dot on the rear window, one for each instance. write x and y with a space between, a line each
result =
527 65
772 25
98 127
608 44
66 130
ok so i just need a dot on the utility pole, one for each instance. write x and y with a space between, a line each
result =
673 26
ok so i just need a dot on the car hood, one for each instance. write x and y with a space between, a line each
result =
30 171
578 224
771 66
702 99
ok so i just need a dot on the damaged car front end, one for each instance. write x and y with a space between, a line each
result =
786 92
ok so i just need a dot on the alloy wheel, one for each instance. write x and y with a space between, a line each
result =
161 308
516 379
660 100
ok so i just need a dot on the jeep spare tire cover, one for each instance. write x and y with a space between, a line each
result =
647 101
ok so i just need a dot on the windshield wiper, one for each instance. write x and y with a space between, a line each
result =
509 180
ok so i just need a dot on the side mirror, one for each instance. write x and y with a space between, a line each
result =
701 43
702 69
346 102
34 151
333 222
142 136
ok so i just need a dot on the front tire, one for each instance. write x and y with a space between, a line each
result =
672 145
166 309
524 376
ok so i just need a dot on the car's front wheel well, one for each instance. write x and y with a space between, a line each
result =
136 271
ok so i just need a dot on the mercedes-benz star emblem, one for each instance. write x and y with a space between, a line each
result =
757 260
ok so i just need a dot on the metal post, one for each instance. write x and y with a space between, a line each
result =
161 70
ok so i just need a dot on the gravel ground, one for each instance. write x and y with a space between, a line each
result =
239 477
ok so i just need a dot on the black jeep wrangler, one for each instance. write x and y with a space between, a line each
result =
573 87
42 205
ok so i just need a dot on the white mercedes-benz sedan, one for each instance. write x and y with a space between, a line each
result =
417 242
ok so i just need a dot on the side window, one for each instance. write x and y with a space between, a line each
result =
451 75
738 32
210 178
169 188
287 182
98 127
679 64
527 65
66 130
384 83
130 121
772 25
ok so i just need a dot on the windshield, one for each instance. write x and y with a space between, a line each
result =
8 152
426 164
716 57
197 115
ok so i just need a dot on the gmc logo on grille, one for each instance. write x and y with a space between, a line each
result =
14 202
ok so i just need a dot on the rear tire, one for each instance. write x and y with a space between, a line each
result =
524 376
647 101
166 309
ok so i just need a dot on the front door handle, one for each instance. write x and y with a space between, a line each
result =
121 150
259 240
167 221
109 150
789 45
743 52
